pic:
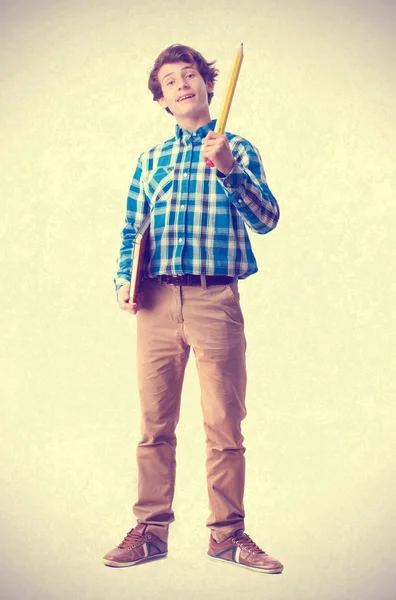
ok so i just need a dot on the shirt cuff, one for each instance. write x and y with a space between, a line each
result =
234 179
232 183
119 283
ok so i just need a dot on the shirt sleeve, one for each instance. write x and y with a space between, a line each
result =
246 187
137 208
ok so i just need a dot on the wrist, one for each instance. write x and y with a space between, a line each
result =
224 170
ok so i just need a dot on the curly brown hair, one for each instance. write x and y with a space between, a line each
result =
180 53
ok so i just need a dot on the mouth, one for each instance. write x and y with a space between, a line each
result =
186 97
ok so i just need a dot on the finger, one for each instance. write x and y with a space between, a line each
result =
211 148
211 142
126 306
123 296
134 308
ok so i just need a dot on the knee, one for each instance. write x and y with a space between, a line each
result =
224 435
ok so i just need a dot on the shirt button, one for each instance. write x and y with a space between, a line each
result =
185 174
182 206
239 201
228 184
180 240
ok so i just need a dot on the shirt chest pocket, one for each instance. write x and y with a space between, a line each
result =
159 185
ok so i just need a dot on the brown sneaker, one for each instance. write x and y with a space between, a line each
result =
137 547
240 550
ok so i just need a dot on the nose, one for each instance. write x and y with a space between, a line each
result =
182 84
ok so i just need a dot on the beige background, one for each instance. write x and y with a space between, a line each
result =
317 96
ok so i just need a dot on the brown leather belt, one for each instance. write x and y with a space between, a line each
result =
195 279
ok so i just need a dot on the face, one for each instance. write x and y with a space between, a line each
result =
184 91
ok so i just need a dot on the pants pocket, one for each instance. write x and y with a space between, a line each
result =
233 294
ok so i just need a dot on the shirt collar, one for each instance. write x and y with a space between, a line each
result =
199 133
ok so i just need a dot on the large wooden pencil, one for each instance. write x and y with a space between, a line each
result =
222 120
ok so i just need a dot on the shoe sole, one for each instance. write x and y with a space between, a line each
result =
274 571
114 564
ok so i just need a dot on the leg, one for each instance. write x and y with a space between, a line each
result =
161 358
220 346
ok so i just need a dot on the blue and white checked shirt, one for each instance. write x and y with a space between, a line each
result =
198 216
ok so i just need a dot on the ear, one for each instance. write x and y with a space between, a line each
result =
210 86
162 102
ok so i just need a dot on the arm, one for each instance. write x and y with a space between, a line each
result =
241 172
136 209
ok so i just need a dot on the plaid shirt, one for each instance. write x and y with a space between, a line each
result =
197 216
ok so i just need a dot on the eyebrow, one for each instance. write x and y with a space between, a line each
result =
183 69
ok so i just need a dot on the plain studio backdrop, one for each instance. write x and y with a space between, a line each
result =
316 95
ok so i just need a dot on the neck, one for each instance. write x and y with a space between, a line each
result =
192 123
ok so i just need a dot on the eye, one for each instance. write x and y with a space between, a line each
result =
170 82
190 75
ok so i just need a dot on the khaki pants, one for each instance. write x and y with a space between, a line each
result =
171 320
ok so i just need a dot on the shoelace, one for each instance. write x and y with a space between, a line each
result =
246 542
132 538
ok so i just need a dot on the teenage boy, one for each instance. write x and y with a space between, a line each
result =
198 249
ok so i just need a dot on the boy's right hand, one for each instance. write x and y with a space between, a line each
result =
124 300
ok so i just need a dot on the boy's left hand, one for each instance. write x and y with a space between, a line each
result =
217 149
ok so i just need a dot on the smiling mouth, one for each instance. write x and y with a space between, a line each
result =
187 97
